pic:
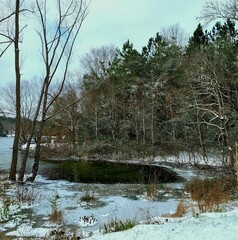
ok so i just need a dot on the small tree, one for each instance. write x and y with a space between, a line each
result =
57 44
65 123
11 36
12 173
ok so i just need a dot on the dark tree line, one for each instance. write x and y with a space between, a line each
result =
166 98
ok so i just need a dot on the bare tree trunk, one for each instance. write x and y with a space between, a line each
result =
197 126
13 169
40 130
24 160
152 124
53 59
37 153
143 126
96 121
236 156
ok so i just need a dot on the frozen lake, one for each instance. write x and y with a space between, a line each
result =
90 171
5 152
115 201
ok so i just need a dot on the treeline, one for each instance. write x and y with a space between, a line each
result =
166 98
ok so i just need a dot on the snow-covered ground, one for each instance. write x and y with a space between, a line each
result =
32 220
207 226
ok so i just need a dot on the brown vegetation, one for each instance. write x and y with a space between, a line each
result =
210 193
180 211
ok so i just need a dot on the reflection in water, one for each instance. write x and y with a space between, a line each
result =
109 172
90 171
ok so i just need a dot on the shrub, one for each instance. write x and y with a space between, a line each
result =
26 194
88 198
5 209
56 215
209 193
116 226
60 234
180 211
151 190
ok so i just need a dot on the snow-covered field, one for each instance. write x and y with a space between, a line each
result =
32 220
30 217
207 226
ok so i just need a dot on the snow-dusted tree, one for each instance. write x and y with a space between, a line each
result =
211 73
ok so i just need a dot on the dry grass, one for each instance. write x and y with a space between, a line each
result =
26 194
151 190
209 193
180 211
56 216
88 197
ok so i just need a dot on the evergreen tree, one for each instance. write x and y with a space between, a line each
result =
198 39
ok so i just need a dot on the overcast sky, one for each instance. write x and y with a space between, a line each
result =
112 22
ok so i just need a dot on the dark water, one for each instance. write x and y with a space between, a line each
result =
90 171
109 172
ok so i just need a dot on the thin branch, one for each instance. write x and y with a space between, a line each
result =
1 54
68 60
6 36
76 101
214 10
7 17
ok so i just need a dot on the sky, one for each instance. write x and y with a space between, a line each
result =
109 22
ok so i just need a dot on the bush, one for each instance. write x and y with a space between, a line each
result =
88 198
26 194
180 211
116 226
210 193
5 209
56 216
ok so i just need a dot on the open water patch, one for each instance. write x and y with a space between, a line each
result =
109 172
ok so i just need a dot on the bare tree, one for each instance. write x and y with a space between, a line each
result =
66 121
174 34
95 65
214 10
10 34
57 43
29 95
12 173
210 104
6 36
8 16
97 61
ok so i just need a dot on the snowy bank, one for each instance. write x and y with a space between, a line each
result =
207 226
